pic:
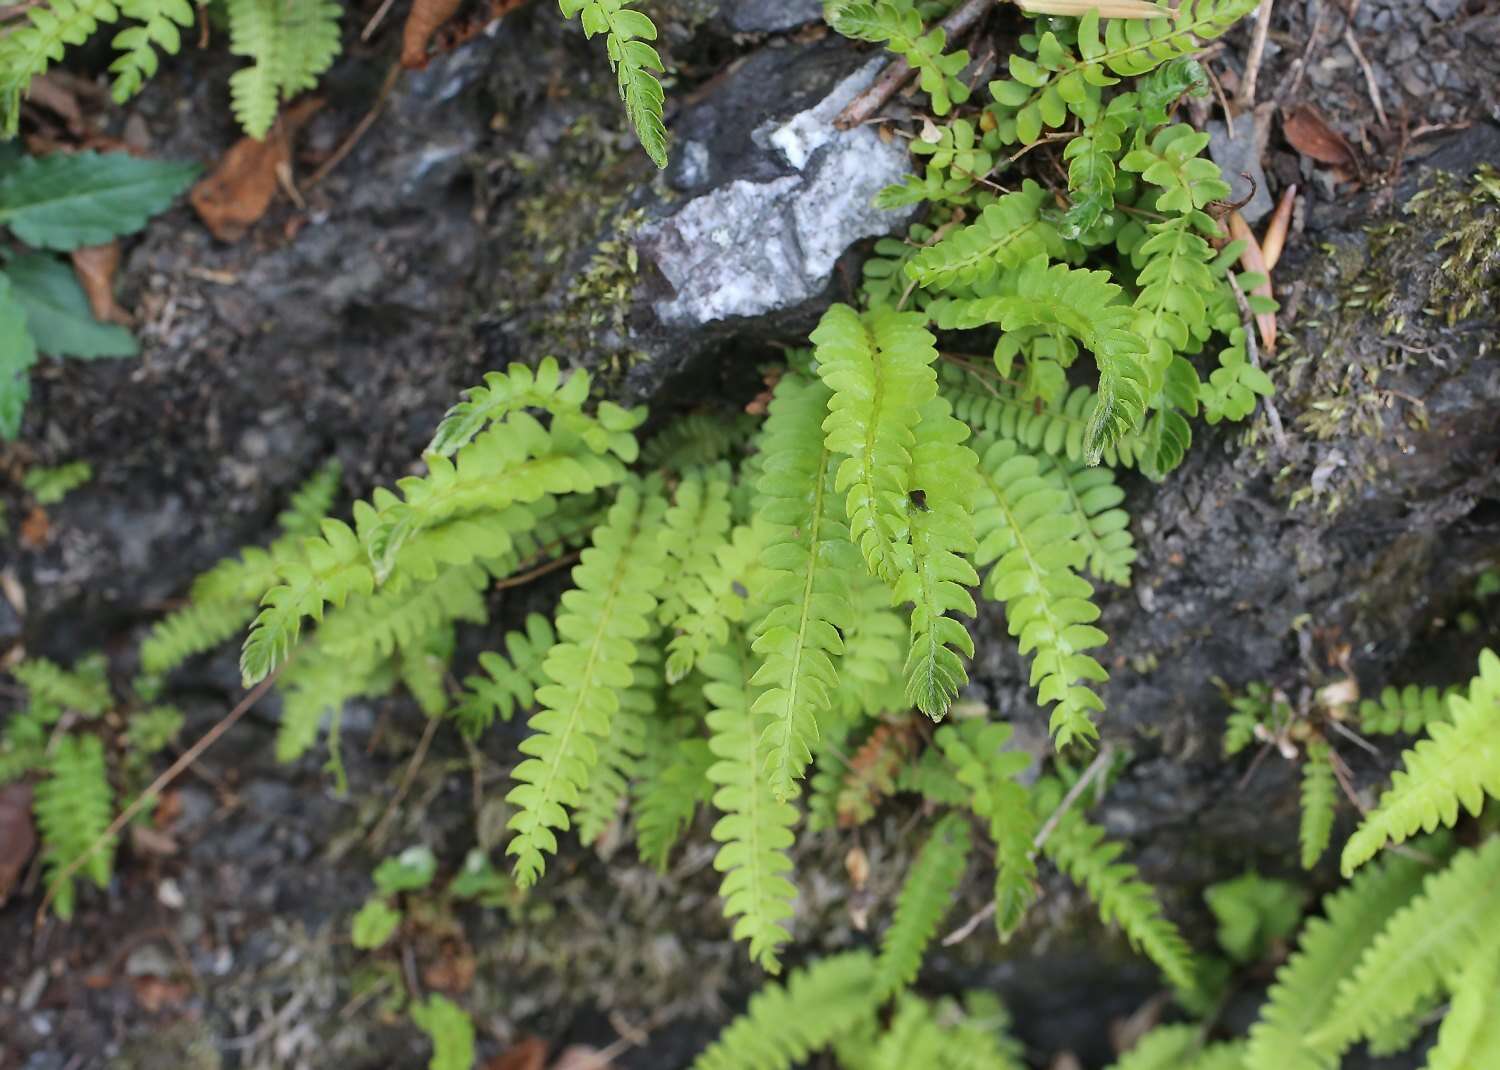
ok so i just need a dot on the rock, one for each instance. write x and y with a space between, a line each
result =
1238 156
776 16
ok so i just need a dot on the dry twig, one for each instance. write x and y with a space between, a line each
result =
861 108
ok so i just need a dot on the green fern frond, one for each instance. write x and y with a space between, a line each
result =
291 42
73 806
27 51
23 745
899 27
755 832
1027 529
1080 849
1404 711
403 612
695 527
510 680
879 369
945 474
313 692
451 1030
698 440
784 1024
191 630
720 601
1457 765
874 644
1103 528
1432 938
633 61
160 23
1470 1033
1007 234
1171 161
600 622
980 762
1180 1047
619 753
674 781
83 689
925 899
311 501
1319 795
1328 951
808 558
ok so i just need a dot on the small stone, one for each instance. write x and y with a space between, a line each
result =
1443 9
1238 156
169 895
149 960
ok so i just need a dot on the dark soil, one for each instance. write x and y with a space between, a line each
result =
346 326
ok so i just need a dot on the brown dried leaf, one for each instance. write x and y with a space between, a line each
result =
36 529
95 266
453 973
582 1057
57 96
17 835
529 1054
241 188
421 23
1309 133
1281 221
1252 259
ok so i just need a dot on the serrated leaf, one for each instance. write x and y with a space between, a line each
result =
64 201
58 313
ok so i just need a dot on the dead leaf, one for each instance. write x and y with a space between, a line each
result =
453 973
1252 259
421 23
95 266
241 188
155 994
857 865
1281 220
147 840
529 1054
17 835
57 96
582 1057
1309 133
36 529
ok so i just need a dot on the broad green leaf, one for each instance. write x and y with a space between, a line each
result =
375 923
17 355
64 201
451 1030
413 868
58 312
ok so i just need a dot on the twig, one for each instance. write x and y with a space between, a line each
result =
1252 357
545 567
377 834
347 145
1290 86
157 786
1364 65
1096 768
1245 98
894 77
1354 737
376 19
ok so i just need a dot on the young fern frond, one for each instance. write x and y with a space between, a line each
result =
926 896
898 26
311 501
1006 235
27 51
696 526
945 473
719 602
1103 528
160 25
314 689
633 61
874 645
195 628
620 752
1457 765
755 831
1319 796
784 1024
510 681
1188 182
1426 942
73 805
1027 529
1329 948
879 369
1404 711
1080 850
83 689
290 43
979 761
600 621
674 781
808 558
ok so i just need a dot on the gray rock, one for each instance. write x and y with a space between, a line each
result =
1238 156
775 16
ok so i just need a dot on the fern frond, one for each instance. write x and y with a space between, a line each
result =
719 602
160 23
1432 938
1328 950
674 780
27 51
314 689
1404 711
899 27
1319 795
808 557
403 611
1179 1047
620 752
1027 529
1457 765
696 526
926 896
945 474
83 689
879 369
191 630
73 806
1470 1033
600 622
1007 234
510 680
698 440
1080 849
874 644
1103 528
872 771
784 1024
311 501
290 42
633 61
979 761
755 832
23 745
1188 182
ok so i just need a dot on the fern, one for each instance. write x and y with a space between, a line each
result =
783 1025
290 42
1028 531
314 689
160 25
720 601
600 622
311 501
879 369
1188 183
633 61
1007 234
510 681
1432 938
84 689
620 752
808 557
1180 1047
977 755
193 629
22 744
674 781
451 1030
925 899
1318 799
73 807
1103 528
874 644
1080 850
695 527
27 51
755 831
1404 711
1458 764
898 25
872 771
1470 1033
